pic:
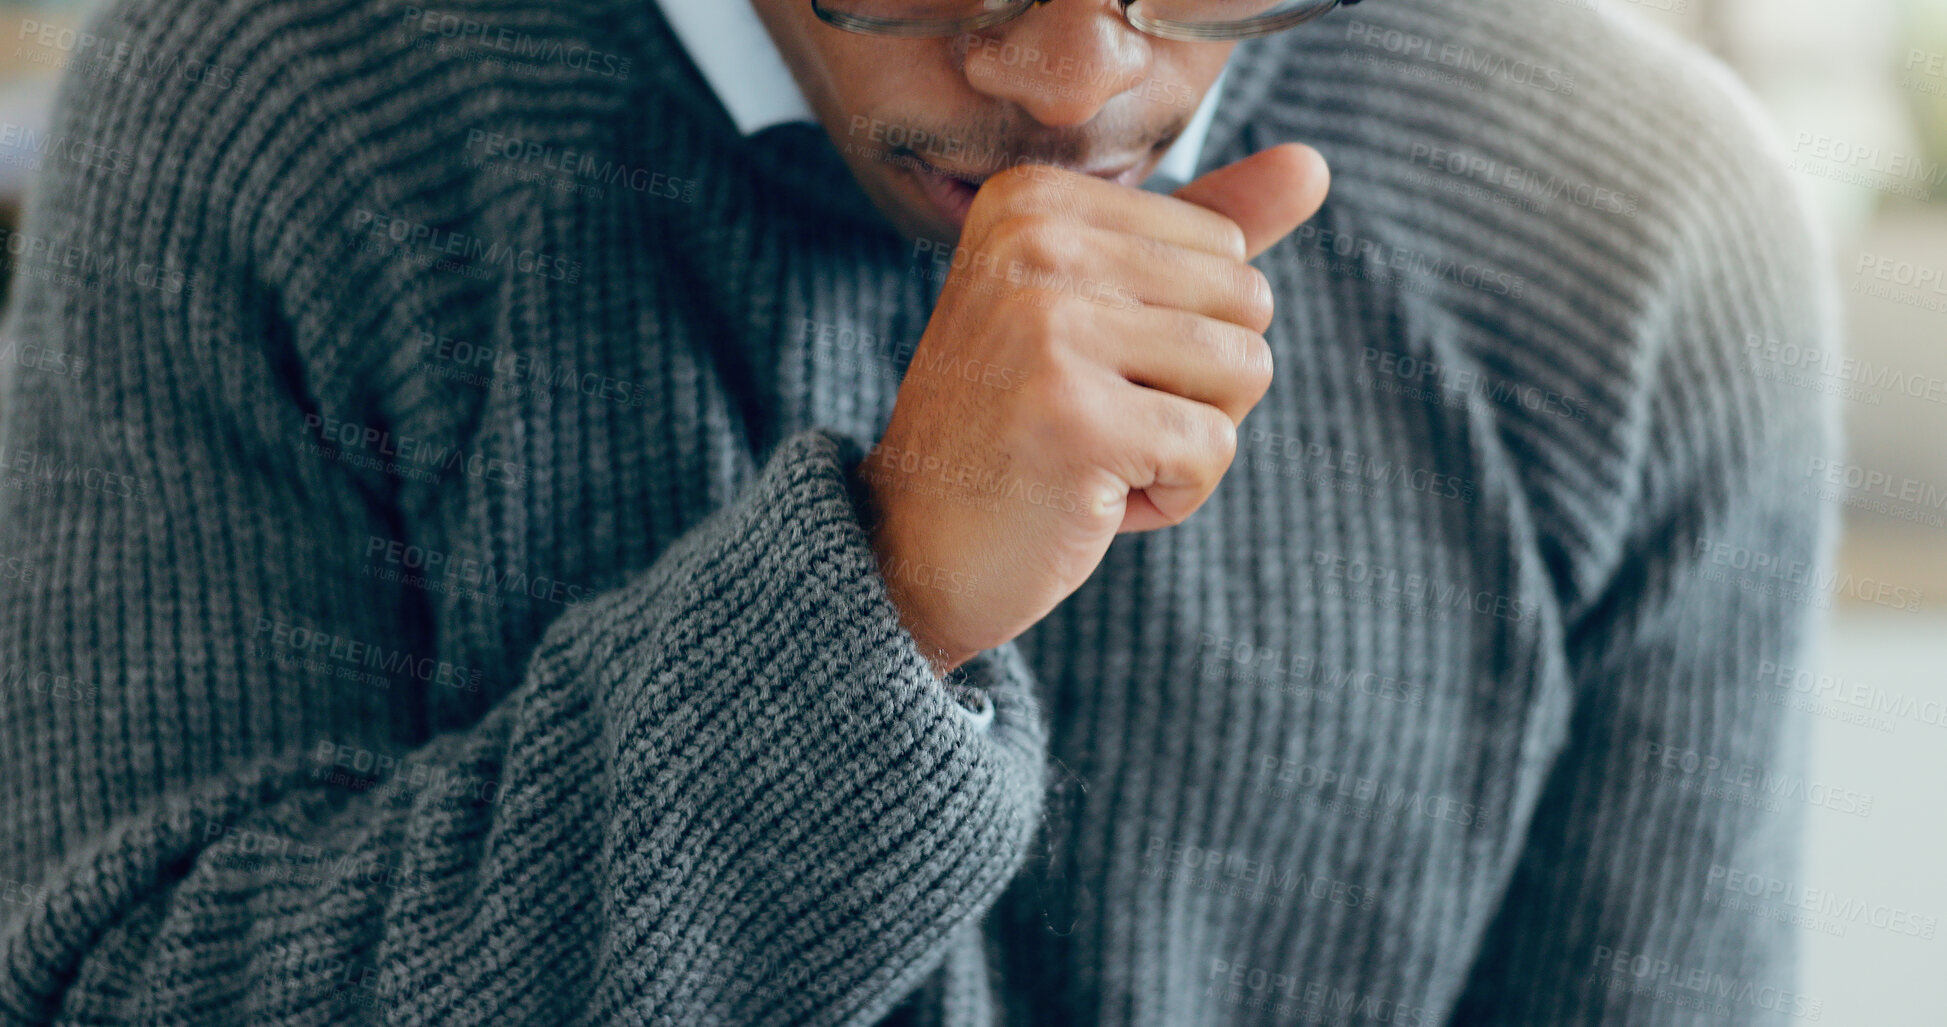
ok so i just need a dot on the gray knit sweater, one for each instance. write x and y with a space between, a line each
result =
435 592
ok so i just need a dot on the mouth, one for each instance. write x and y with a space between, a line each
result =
951 193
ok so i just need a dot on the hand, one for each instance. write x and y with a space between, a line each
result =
1085 370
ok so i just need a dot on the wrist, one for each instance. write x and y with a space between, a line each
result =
916 613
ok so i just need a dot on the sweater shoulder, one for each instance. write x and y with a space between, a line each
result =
1559 127
274 153
1587 209
252 104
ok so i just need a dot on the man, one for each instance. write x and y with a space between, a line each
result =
606 513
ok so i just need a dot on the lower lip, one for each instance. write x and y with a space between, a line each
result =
952 199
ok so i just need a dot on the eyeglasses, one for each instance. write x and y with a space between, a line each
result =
1190 20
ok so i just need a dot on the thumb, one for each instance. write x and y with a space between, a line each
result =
1268 194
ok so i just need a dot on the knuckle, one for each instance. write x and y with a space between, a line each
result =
1205 431
1051 319
1154 251
1231 238
1216 339
1220 435
1243 355
1254 294
1223 344
1040 242
1256 363
997 194
1060 394
1172 422
1016 186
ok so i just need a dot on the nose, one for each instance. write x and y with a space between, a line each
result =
1061 62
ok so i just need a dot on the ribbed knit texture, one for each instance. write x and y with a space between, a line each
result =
592 708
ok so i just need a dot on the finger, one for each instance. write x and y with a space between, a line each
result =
1205 359
1097 202
1140 514
1162 274
1267 194
1175 453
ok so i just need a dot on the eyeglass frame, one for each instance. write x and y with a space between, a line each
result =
1175 30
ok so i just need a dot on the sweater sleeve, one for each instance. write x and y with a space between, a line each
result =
1681 771
729 790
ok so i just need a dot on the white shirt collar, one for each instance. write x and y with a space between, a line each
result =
741 62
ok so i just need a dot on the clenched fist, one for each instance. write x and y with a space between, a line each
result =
1116 341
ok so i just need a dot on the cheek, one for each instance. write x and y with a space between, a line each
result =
866 73
1183 74
912 98
1194 66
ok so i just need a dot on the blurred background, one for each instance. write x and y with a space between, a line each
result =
1857 94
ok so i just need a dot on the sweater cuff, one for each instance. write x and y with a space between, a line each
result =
972 683
796 792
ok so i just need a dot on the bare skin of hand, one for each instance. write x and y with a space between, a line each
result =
1104 345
